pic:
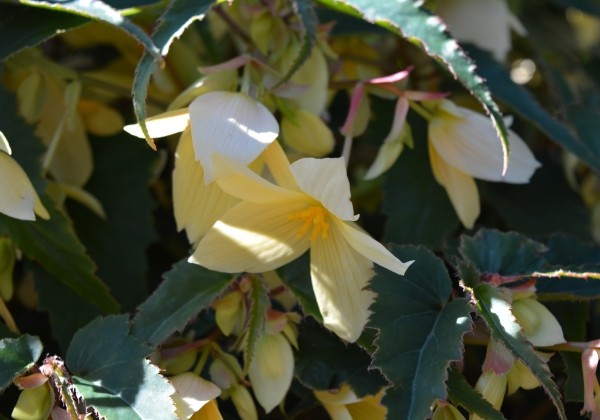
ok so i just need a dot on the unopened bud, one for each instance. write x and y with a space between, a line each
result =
307 133
34 403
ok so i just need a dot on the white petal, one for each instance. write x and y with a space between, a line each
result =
461 189
326 181
162 125
272 370
339 275
471 145
192 393
196 206
4 145
370 248
254 238
232 124
17 192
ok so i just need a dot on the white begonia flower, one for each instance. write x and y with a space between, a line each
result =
464 145
19 198
192 393
485 23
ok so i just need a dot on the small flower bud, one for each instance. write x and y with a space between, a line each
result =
307 133
34 403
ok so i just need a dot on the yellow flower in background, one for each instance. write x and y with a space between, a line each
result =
464 145
19 198
485 23
273 225
343 404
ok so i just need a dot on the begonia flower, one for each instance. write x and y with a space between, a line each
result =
342 404
273 225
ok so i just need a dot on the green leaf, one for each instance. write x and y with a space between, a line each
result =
323 362
418 208
420 331
255 327
22 26
118 243
173 22
296 276
496 312
520 100
507 254
574 384
53 242
411 20
586 6
16 356
187 289
98 10
111 372
463 394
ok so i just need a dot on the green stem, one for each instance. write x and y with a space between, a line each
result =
421 110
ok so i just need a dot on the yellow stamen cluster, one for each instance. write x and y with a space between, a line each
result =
314 217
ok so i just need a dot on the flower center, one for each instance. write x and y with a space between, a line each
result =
314 218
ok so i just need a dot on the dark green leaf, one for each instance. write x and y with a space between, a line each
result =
574 384
496 312
118 244
254 329
22 26
127 4
187 289
413 316
586 6
463 394
52 243
16 356
98 10
173 22
411 20
325 362
507 254
111 372
296 276
418 208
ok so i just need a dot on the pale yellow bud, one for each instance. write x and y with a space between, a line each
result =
243 402
30 96
225 371
230 313
34 403
261 31
539 325
7 264
447 412
180 363
492 387
99 119
307 133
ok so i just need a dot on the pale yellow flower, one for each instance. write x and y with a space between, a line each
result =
485 23
492 387
274 225
192 392
306 133
19 198
343 404
463 145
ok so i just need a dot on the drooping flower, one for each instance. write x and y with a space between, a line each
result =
274 225
485 23
19 198
463 145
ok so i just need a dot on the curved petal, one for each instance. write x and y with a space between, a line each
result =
471 145
461 188
539 324
17 192
253 237
162 125
326 181
4 145
272 370
370 248
192 393
232 124
339 275
387 155
196 206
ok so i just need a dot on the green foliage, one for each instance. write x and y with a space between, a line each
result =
16 356
461 393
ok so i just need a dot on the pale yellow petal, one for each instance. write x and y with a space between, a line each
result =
196 206
461 189
85 198
17 192
492 387
4 145
313 75
339 275
272 370
539 324
192 393
210 411
369 408
387 155
520 376
232 124
371 249
243 402
162 125
342 396
241 182
307 133
254 238
326 181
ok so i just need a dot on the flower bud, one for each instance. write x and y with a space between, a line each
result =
30 96
34 403
492 387
243 402
230 313
447 412
539 325
99 119
307 133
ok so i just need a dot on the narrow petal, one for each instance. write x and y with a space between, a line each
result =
162 125
387 155
326 181
371 249
232 124
254 238
241 182
4 145
461 188
196 206
272 370
589 364
17 192
339 275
